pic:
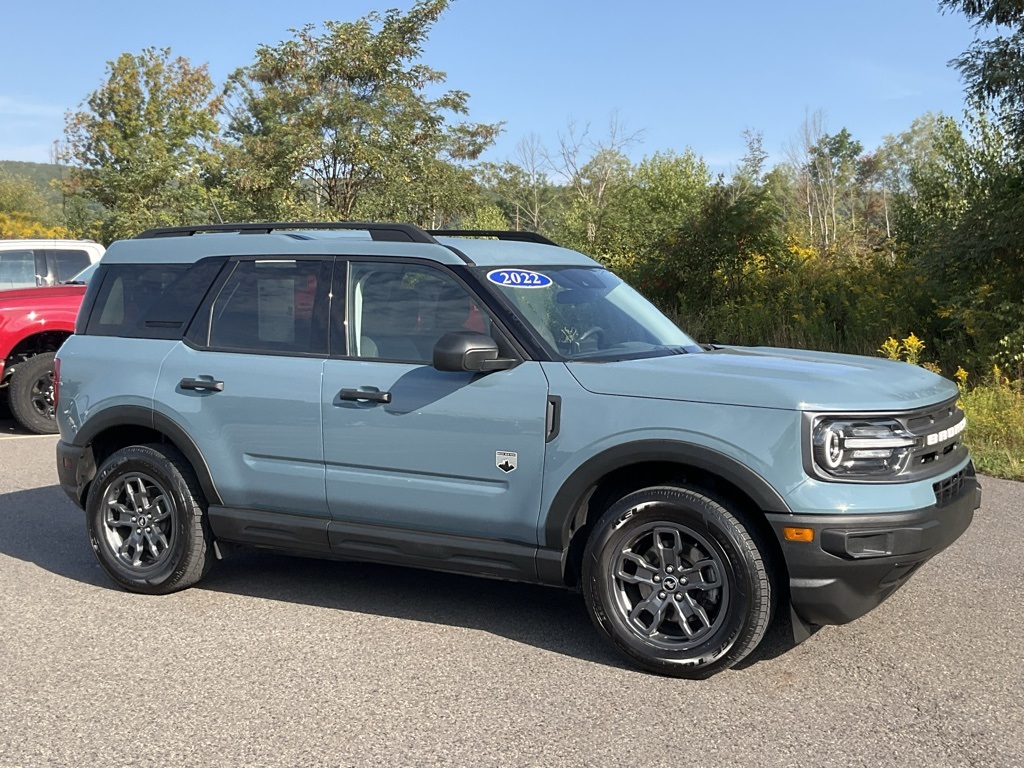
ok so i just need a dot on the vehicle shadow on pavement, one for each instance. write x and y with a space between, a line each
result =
552 619
42 526
547 618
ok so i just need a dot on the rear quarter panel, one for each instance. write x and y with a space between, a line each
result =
118 371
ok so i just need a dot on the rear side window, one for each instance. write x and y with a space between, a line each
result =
149 301
268 307
17 269
69 263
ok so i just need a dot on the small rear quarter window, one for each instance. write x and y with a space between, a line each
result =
150 301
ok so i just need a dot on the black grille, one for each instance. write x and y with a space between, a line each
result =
948 489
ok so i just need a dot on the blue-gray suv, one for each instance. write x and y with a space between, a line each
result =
490 403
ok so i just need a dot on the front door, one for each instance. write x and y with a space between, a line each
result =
409 447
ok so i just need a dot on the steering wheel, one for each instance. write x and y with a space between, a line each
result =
591 331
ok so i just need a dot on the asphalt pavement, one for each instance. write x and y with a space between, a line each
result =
280 661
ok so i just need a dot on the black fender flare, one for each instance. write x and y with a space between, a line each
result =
556 524
139 416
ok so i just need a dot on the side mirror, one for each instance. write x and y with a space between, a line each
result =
468 351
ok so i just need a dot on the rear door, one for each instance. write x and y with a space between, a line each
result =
246 384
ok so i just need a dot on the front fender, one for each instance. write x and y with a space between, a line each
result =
558 519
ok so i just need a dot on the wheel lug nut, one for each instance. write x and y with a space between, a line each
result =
657 577
661 595
149 530
135 520
678 596
684 582
669 569
138 530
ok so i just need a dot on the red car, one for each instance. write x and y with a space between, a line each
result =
34 322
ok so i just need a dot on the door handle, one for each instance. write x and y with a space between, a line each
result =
362 394
207 383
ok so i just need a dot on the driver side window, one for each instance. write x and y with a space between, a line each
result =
399 311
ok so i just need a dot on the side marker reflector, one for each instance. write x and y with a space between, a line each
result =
798 534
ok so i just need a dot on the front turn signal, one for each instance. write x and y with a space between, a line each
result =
798 534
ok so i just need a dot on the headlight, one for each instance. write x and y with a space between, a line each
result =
868 448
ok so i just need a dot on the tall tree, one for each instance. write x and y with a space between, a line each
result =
993 67
23 210
139 144
596 172
521 185
337 123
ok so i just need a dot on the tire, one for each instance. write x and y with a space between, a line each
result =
146 517
676 583
30 394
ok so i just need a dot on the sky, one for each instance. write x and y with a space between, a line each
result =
679 73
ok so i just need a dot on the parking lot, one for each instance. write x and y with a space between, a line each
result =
280 661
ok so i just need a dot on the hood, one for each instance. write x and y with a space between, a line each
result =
771 378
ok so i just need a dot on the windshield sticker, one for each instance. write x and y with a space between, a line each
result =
518 278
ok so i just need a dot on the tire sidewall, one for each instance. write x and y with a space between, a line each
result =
146 461
703 518
25 376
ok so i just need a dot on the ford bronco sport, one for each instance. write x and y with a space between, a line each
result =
490 403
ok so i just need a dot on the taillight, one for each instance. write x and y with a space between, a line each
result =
56 383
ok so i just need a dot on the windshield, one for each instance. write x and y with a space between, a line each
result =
583 313
83 277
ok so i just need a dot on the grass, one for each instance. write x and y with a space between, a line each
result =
995 427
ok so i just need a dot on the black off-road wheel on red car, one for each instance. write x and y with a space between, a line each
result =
30 394
676 582
146 516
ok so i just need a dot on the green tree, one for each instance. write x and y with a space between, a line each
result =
140 144
24 212
736 232
597 176
833 170
521 188
993 67
338 123
19 195
662 193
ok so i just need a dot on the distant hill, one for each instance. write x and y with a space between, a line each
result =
40 174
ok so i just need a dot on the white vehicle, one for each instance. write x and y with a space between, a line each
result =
27 263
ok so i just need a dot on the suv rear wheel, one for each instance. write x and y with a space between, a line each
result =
676 582
31 394
146 517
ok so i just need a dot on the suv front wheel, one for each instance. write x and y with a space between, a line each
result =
676 582
146 520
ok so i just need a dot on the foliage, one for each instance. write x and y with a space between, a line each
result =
836 247
24 211
19 226
993 67
995 424
44 177
338 124
909 349
994 410
139 144
486 217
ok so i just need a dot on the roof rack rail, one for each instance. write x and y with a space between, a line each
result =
499 234
394 233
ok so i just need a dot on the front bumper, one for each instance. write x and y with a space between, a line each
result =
854 562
